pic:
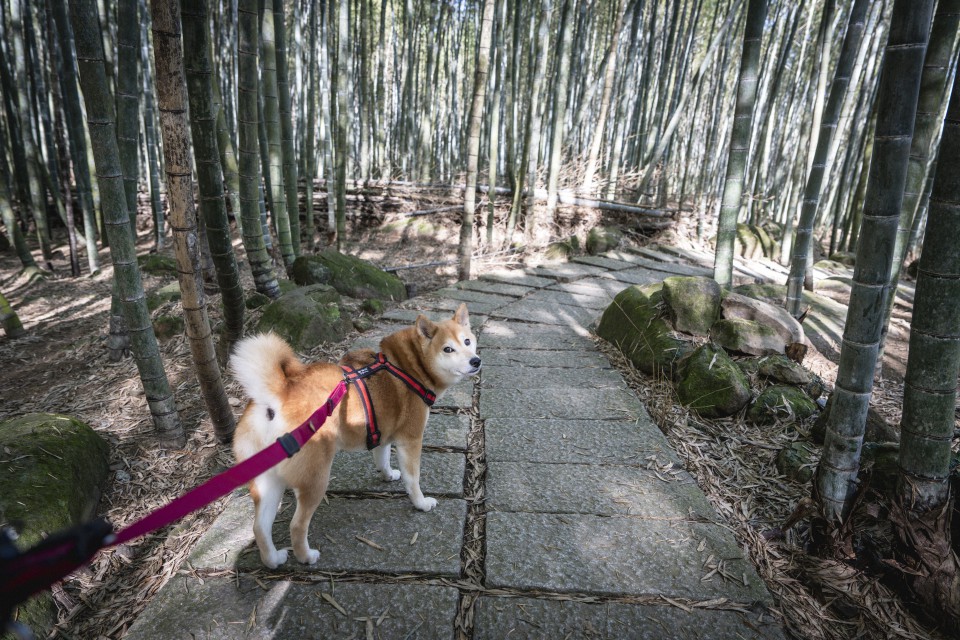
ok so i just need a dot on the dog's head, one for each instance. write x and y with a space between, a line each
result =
450 346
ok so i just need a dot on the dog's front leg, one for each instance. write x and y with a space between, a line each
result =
381 458
408 454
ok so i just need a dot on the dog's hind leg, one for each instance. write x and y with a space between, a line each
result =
309 496
267 492
408 454
381 458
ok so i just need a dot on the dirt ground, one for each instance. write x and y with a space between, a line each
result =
61 365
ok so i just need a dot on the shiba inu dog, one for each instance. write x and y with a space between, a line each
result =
387 404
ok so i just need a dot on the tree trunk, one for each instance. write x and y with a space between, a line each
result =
731 201
310 159
172 103
128 100
896 111
803 238
340 93
249 144
203 128
286 128
473 140
103 135
539 229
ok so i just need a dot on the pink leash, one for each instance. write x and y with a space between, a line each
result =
23 574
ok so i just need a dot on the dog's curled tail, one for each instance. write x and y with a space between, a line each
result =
262 364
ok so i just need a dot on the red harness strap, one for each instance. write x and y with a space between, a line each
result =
357 377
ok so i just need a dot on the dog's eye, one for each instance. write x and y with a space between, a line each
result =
467 342
448 349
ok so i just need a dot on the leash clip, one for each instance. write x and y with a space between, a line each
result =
289 444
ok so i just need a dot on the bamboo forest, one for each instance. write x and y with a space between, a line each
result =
677 282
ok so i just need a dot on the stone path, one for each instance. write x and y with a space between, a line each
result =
562 510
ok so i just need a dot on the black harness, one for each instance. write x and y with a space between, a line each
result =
357 377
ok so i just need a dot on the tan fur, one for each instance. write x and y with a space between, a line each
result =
299 389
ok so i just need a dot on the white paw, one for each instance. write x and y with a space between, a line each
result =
275 559
390 475
426 504
312 556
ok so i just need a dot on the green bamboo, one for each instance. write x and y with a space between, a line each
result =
152 144
732 198
203 129
539 230
286 129
249 147
271 119
103 135
228 160
310 160
175 129
896 111
128 100
339 81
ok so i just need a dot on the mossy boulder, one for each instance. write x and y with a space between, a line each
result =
306 317
163 295
307 270
156 264
798 462
783 369
166 327
562 249
692 303
633 323
52 468
712 384
847 258
601 239
775 317
358 278
373 306
256 300
781 402
746 336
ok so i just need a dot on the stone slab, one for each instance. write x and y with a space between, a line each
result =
528 377
568 272
674 268
529 619
567 359
599 287
603 262
434 302
388 522
499 334
517 278
637 276
570 404
616 556
459 397
498 288
548 313
409 316
594 489
226 608
353 472
447 431
637 443
644 252
473 299
553 296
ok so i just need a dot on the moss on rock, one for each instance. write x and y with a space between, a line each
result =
358 278
746 336
712 384
601 239
797 462
166 327
306 317
692 302
52 468
634 325
157 264
163 295
781 402
307 270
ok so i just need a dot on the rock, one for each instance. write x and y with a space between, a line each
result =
633 324
877 428
771 249
692 303
711 384
256 300
306 317
307 270
832 266
156 264
781 402
163 295
783 369
361 279
362 324
52 468
602 239
373 306
735 305
746 336
847 258
747 243
166 327
559 251
798 462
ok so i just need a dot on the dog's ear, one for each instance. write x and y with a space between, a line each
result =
425 328
461 316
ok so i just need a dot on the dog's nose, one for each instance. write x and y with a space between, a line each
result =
475 363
